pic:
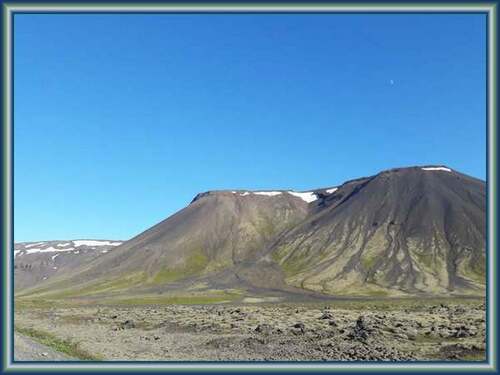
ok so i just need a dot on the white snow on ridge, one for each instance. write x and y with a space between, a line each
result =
49 249
95 243
268 193
61 247
332 190
307 196
33 245
436 169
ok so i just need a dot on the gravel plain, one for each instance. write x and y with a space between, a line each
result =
372 331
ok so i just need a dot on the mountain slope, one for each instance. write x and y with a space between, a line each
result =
407 231
215 232
404 230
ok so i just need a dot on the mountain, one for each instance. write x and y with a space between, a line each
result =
215 232
404 231
35 262
408 230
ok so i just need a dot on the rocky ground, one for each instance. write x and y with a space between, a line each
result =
346 331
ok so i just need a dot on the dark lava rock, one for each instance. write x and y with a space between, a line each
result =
265 329
127 324
326 315
360 331
462 332
299 325
298 328
459 351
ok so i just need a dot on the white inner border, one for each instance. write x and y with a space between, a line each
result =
487 8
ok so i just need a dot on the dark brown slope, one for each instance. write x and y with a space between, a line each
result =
217 231
404 230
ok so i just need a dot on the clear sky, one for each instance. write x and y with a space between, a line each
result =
120 120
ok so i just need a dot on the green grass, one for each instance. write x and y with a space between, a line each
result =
474 276
425 258
173 300
23 303
368 262
194 264
197 299
67 347
292 265
376 293
110 285
476 356
479 267
476 271
266 227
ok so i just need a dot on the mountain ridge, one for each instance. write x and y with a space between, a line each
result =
403 231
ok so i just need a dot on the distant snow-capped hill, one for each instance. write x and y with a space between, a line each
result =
35 262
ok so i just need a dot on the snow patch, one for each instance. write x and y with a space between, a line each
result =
31 249
307 196
39 250
268 193
332 190
95 243
55 256
33 245
436 169
49 249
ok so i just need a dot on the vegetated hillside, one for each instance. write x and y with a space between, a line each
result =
407 231
215 232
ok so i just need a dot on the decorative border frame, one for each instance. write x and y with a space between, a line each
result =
7 237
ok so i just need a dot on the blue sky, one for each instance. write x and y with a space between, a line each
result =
121 119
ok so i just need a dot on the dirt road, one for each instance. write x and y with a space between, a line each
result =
25 349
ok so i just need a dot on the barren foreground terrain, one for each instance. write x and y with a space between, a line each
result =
390 330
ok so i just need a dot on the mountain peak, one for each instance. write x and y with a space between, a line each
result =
427 167
307 196
313 194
